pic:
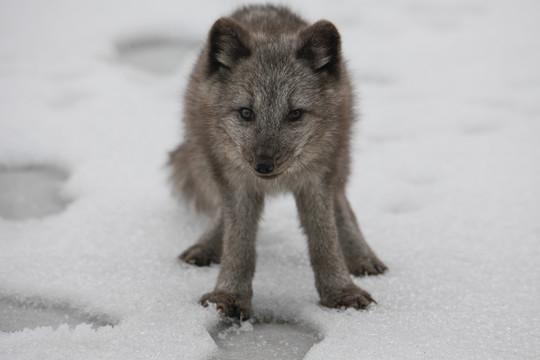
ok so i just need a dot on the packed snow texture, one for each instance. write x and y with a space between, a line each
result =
446 186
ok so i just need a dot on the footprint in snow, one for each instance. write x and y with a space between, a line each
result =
263 340
18 314
479 128
156 54
31 191
403 206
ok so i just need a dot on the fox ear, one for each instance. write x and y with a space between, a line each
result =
320 46
228 42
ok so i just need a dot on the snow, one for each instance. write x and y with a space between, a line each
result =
445 184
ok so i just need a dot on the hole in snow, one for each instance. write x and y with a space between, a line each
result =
263 340
31 191
155 54
28 314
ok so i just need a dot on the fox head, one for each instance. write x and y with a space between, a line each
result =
278 101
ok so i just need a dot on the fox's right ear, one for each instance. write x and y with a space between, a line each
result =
229 41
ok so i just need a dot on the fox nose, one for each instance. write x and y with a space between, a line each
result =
264 166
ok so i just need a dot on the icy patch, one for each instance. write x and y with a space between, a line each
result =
18 315
31 191
263 340
155 54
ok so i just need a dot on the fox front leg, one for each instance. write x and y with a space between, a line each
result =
232 295
334 285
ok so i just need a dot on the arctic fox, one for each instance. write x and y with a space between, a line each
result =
268 109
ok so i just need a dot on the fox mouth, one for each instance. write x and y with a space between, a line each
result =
269 176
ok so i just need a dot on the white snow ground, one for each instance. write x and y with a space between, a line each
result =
446 186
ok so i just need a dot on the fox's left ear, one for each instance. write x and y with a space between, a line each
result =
320 46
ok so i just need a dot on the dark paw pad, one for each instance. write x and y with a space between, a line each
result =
200 255
349 297
228 305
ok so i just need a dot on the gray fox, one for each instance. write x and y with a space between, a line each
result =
268 109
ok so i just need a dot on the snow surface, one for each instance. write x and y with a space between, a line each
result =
446 186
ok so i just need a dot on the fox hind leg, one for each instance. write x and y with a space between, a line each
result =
359 257
208 248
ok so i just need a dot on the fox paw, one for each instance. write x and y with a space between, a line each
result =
200 255
229 305
349 297
369 265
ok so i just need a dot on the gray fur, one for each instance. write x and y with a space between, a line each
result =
269 60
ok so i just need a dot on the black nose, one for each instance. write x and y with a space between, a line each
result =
264 166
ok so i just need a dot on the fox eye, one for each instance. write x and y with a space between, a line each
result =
295 115
246 114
